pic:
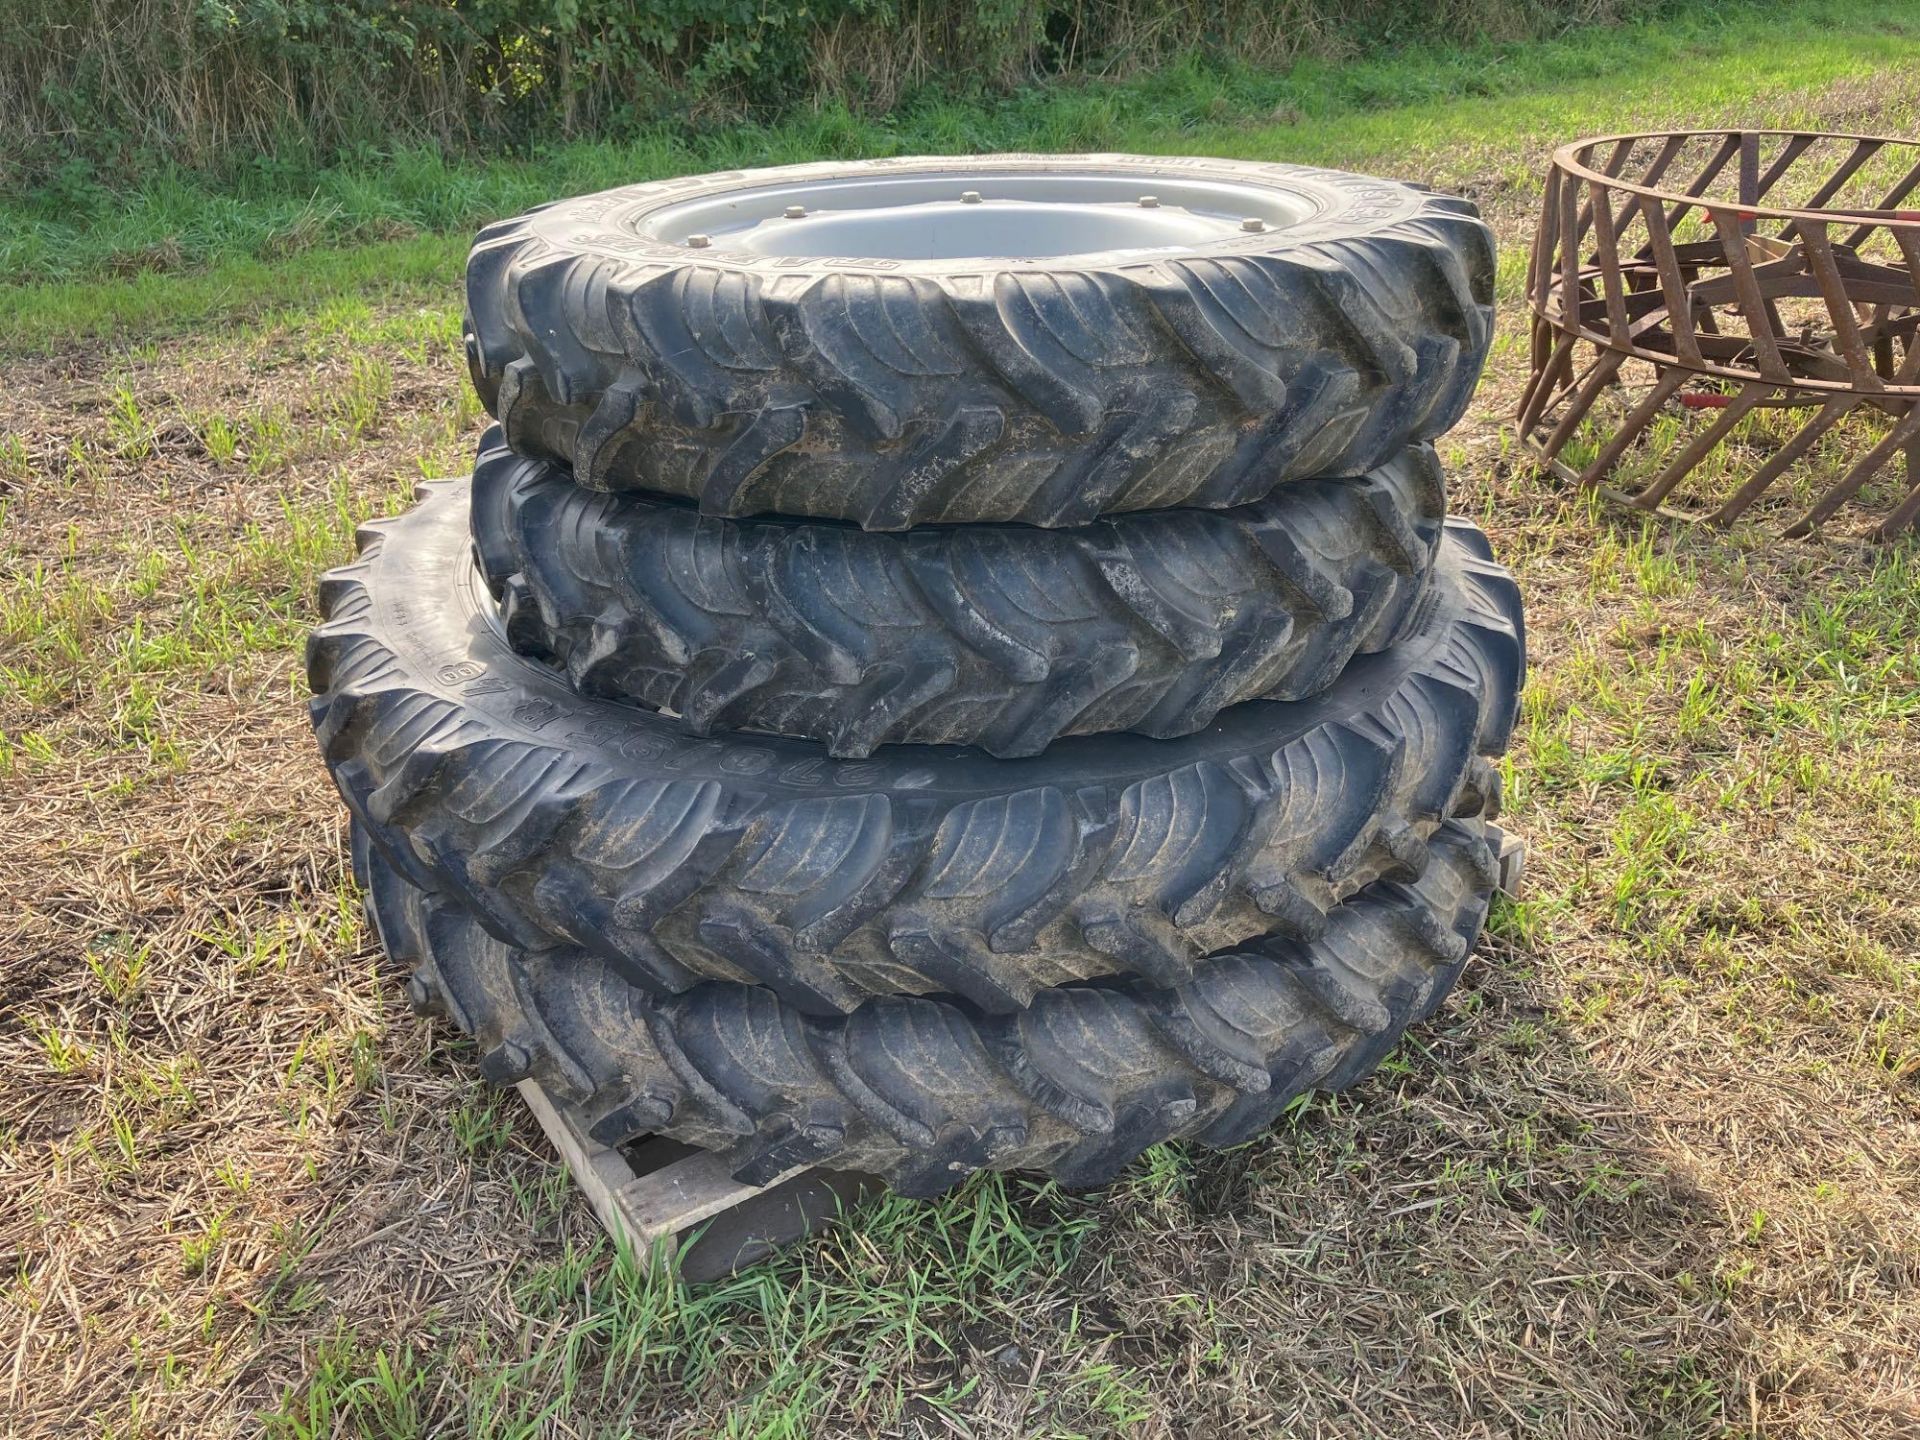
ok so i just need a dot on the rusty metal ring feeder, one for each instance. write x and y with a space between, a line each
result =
1784 275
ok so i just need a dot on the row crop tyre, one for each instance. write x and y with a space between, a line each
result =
1006 637
562 820
866 363
924 1091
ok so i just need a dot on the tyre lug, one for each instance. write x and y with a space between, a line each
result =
508 1063
795 212
969 197
699 242
1149 202
1253 225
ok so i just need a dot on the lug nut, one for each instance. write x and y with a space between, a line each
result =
1149 202
699 242
794 212
1253 225
969 197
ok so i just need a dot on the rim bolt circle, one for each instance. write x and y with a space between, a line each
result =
1149 202
1253 225
969 197
699 242
794 212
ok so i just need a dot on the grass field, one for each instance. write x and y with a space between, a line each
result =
1655 1170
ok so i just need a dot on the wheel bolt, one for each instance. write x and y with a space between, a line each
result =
969 197
699 242
1149 202
1253 225
794 212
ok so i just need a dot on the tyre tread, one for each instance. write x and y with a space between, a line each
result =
1047 395
924 1091
1003 638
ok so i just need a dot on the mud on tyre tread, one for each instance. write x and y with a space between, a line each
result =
923 1091
556 819
893 394
1001 636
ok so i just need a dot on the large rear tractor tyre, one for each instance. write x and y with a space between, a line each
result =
924 1091
562 820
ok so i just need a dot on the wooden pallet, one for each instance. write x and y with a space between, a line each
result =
677 1205
655 1193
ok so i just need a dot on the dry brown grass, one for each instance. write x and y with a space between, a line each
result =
1655 1171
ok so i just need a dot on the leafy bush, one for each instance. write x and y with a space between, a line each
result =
92 86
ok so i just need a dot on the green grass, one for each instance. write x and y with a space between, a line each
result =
921 1281
424 270
197 251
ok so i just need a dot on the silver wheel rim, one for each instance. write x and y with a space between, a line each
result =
1013 214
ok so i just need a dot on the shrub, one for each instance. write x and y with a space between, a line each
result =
218 85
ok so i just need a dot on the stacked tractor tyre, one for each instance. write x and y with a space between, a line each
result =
884 707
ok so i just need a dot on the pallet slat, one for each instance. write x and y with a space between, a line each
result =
653 1192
